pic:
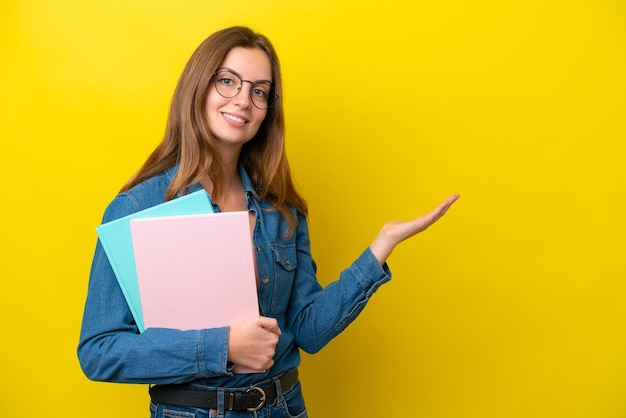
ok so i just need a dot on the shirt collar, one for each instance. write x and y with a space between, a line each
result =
248 187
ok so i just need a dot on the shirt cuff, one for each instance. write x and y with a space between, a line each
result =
213 352
369 273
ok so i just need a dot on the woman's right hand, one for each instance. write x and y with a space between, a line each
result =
252 342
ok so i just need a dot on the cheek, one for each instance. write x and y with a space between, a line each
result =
212 102
258 126
259 117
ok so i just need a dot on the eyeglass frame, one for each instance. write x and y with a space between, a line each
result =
271 99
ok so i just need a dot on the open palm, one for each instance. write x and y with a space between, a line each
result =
394 232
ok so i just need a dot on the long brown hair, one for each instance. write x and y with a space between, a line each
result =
189 143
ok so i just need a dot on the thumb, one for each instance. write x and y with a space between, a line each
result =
269 324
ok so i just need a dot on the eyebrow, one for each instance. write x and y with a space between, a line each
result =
230 70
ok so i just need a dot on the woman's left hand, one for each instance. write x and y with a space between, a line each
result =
394 232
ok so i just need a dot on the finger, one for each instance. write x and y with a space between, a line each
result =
444 206
424 222
275 330
269 324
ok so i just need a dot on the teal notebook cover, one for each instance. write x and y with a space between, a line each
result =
116 240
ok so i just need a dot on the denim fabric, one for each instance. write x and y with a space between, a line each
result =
112 349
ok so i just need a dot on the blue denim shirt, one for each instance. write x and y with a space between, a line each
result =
309 316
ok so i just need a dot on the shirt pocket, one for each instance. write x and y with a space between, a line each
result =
285 264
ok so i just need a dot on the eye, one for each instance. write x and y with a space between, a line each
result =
261 90
259 93
227 81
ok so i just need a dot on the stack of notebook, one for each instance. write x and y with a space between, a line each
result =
181 266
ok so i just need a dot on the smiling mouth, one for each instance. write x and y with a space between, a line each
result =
234 118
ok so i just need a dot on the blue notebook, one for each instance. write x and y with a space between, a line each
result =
116 240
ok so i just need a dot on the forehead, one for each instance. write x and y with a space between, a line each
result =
250 63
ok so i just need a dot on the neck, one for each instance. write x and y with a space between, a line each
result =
231 187
230 161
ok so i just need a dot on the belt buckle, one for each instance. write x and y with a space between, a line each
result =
261 401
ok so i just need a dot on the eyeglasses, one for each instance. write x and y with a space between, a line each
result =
228 84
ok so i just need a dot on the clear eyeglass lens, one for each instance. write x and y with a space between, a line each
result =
229 84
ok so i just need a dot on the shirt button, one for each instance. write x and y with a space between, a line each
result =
259 249
266 280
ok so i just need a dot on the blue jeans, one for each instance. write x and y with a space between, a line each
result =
287 405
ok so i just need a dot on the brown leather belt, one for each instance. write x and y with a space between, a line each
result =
250 399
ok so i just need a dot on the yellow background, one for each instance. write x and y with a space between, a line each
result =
512 306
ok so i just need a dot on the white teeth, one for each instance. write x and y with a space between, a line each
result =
235 118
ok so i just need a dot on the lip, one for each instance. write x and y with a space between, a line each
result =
235 119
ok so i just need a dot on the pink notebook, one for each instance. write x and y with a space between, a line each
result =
195 271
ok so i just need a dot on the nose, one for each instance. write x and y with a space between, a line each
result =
243 98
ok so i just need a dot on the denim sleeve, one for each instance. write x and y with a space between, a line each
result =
316 315
111 347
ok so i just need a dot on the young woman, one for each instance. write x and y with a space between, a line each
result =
225 133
